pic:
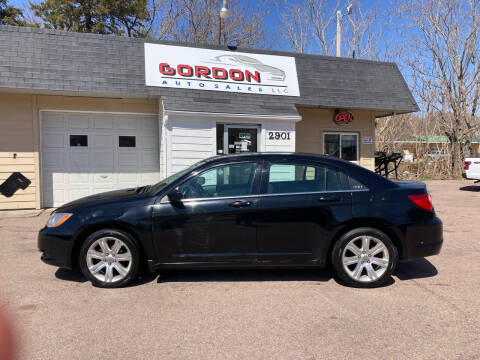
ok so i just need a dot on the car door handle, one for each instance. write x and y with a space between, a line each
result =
240 203
329 198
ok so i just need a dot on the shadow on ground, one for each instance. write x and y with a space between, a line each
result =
70 275
242 275
415 269
76 275
475 188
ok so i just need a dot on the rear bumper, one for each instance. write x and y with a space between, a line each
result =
423 240
55 248
465 176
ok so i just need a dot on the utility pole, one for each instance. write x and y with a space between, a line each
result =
220 30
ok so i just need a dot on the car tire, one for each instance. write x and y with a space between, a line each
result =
364 258
109 258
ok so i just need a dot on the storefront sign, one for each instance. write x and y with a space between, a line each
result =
343 118
245 136
367 140
205 69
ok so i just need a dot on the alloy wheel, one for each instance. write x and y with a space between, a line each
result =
365 258
109 259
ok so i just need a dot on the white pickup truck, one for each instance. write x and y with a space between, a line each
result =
471 169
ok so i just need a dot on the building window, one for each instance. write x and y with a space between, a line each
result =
126 141
78 140
341 145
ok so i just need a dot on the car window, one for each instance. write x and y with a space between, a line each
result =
356 185
294 178
221 181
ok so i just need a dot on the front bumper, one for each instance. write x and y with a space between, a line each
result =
56 248
423 240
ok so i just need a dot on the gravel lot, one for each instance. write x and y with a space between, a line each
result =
429 310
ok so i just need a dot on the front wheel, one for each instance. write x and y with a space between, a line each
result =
109 259
364 257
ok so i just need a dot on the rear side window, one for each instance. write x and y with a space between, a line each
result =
298 178
356 185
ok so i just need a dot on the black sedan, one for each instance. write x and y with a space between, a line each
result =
256 210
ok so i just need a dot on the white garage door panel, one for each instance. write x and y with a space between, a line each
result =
76 121
103 122
103 141
53 141
69 173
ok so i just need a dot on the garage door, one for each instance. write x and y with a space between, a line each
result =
85 154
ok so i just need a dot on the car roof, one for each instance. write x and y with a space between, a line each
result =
277 155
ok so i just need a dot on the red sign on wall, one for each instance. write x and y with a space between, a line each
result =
343 118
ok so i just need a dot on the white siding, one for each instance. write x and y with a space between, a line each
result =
188 142
279 145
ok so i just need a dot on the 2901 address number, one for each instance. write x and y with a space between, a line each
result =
278 135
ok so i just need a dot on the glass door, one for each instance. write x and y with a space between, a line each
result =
240 139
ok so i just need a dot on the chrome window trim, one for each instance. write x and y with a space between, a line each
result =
315 192
263 195
213 198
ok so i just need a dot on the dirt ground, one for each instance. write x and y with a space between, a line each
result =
429 310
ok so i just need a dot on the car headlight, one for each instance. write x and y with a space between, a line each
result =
57 219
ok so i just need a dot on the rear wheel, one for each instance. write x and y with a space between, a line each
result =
364 257
109 258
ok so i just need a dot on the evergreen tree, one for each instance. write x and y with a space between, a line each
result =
10 15
117 17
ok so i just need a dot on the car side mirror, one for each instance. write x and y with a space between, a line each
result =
175 196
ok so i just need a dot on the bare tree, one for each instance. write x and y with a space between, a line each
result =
197 21
322 18
310 25
365 32
294 28
441 43
164 15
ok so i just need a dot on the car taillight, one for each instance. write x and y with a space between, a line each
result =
466 165
422 200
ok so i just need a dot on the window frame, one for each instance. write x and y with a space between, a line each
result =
77 146
343 133
128 136
255 185
266 175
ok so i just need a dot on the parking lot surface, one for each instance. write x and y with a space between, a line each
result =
429 310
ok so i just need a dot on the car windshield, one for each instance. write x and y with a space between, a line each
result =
167 181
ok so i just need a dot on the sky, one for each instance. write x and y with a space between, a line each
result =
272 21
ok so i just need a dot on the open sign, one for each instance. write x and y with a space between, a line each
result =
342 118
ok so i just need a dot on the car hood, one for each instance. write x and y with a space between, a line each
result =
106 197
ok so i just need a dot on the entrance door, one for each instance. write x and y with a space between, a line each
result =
240 139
